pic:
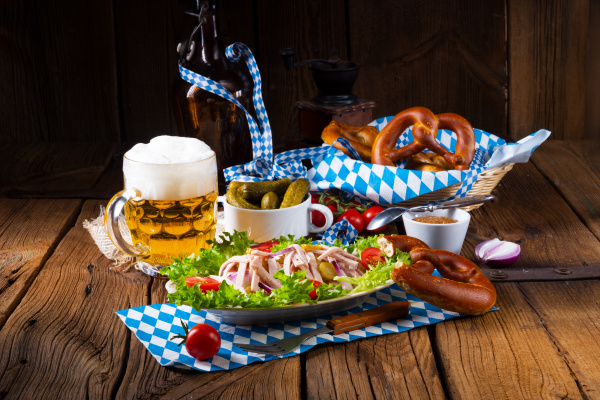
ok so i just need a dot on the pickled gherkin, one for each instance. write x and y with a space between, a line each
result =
295 193
269 195
234 198
254 191
270 201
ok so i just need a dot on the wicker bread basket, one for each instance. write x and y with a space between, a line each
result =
486 182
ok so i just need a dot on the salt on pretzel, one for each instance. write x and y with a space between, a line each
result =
425 126
360 137
462 288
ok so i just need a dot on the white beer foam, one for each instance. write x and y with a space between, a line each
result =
170 150
171 168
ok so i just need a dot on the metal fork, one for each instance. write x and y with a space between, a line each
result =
387 312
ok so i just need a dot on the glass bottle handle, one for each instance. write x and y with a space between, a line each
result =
111 222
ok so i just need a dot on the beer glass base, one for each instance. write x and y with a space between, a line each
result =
149 269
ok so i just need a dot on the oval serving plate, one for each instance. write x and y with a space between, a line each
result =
258 316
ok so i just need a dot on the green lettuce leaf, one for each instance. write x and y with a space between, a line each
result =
209 261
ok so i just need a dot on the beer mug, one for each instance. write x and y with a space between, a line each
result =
168 201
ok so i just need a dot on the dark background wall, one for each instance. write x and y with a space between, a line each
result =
100 71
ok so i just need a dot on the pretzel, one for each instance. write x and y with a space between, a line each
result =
425 126
463 287
360 137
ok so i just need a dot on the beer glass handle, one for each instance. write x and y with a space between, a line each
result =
111 222
328 218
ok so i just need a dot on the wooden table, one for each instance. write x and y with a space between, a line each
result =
60 336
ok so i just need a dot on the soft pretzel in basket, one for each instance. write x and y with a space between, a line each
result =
425 126
360 137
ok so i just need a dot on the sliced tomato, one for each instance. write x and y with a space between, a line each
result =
206 283
313 294
372 256
265 246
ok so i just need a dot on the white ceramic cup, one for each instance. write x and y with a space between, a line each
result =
448 237
263 225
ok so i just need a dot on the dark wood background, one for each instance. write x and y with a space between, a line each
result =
101 71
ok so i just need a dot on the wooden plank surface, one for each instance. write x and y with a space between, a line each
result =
547 67
506 354
530 212
393 366
58 72
448 56
313 29
64 339
29 232
572 325
578 184
45 167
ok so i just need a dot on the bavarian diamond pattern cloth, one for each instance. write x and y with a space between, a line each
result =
155 325
263 166
332 169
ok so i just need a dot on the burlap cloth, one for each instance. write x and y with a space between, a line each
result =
97 230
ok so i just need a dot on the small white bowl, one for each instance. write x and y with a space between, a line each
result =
449 237
263 225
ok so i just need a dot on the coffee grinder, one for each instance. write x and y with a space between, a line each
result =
334 79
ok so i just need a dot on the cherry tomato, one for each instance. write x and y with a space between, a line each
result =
354 218
317 217
368 216
265 246
314 198
372 256
205 282
201 342
313 294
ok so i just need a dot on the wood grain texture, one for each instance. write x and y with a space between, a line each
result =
572 326
29 232
53 166
504 354
147 64
58 74
397 366
447 56
313 29
578 184
547 67
530 212
64 338
592 93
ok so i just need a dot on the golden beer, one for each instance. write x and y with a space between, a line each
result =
171 228
168 201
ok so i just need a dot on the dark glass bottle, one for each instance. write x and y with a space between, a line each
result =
204 115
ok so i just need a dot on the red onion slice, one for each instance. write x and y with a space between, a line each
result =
264 287
280 252
498 253
345 285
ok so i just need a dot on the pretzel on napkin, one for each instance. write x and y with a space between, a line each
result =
462 288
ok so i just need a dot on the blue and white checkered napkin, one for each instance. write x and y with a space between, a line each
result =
264 166
391 185
332 169
155 324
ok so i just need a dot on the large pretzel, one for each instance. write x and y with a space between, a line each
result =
463 288
425 127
